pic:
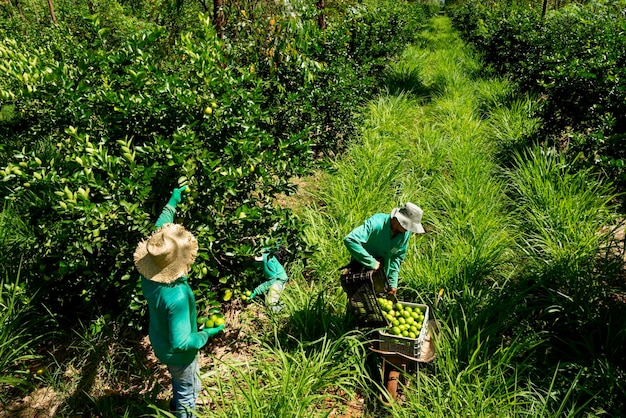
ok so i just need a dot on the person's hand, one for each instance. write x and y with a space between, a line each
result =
377 265
393 291
248 296
213 331
177 195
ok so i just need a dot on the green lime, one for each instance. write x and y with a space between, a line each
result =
209 324
219 321
202 319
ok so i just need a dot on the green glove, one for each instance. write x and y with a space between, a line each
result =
213 331
177 196
253 295
247 295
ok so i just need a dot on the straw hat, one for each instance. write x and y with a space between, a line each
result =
410 217
167 254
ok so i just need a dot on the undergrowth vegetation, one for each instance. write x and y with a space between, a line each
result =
573 58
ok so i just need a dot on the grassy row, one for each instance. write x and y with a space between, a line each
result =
518 242
514 238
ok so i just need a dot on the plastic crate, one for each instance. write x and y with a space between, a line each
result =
408 346
363 299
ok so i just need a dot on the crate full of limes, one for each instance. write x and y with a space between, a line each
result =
406 328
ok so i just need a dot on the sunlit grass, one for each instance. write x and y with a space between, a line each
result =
17 337
563 210
308 379
444 153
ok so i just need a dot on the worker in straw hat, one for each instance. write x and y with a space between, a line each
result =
164 259
382 240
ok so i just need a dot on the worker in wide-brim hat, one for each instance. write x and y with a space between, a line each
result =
382 240
164 260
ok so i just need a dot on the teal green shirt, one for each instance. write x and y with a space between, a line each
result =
374 239
172 307
273 272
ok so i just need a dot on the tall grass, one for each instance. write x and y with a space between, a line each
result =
445 138
307 380
570 270
18 336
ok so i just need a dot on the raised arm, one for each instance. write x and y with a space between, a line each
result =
167 215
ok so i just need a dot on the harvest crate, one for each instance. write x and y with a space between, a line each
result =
362 298
408 346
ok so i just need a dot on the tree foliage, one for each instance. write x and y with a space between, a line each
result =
104 114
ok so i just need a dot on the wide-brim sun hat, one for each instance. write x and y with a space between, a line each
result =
410 217
167 254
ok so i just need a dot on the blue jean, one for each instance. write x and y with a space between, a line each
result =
186 387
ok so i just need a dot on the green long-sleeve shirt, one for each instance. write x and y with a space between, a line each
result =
273 272
172 308
374 239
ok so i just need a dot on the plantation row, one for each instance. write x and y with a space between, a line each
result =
519 241
574 59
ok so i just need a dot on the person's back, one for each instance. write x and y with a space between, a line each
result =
382 241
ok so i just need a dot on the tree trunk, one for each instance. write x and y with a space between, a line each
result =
544 9
18 6
51 6
218 17
320 17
